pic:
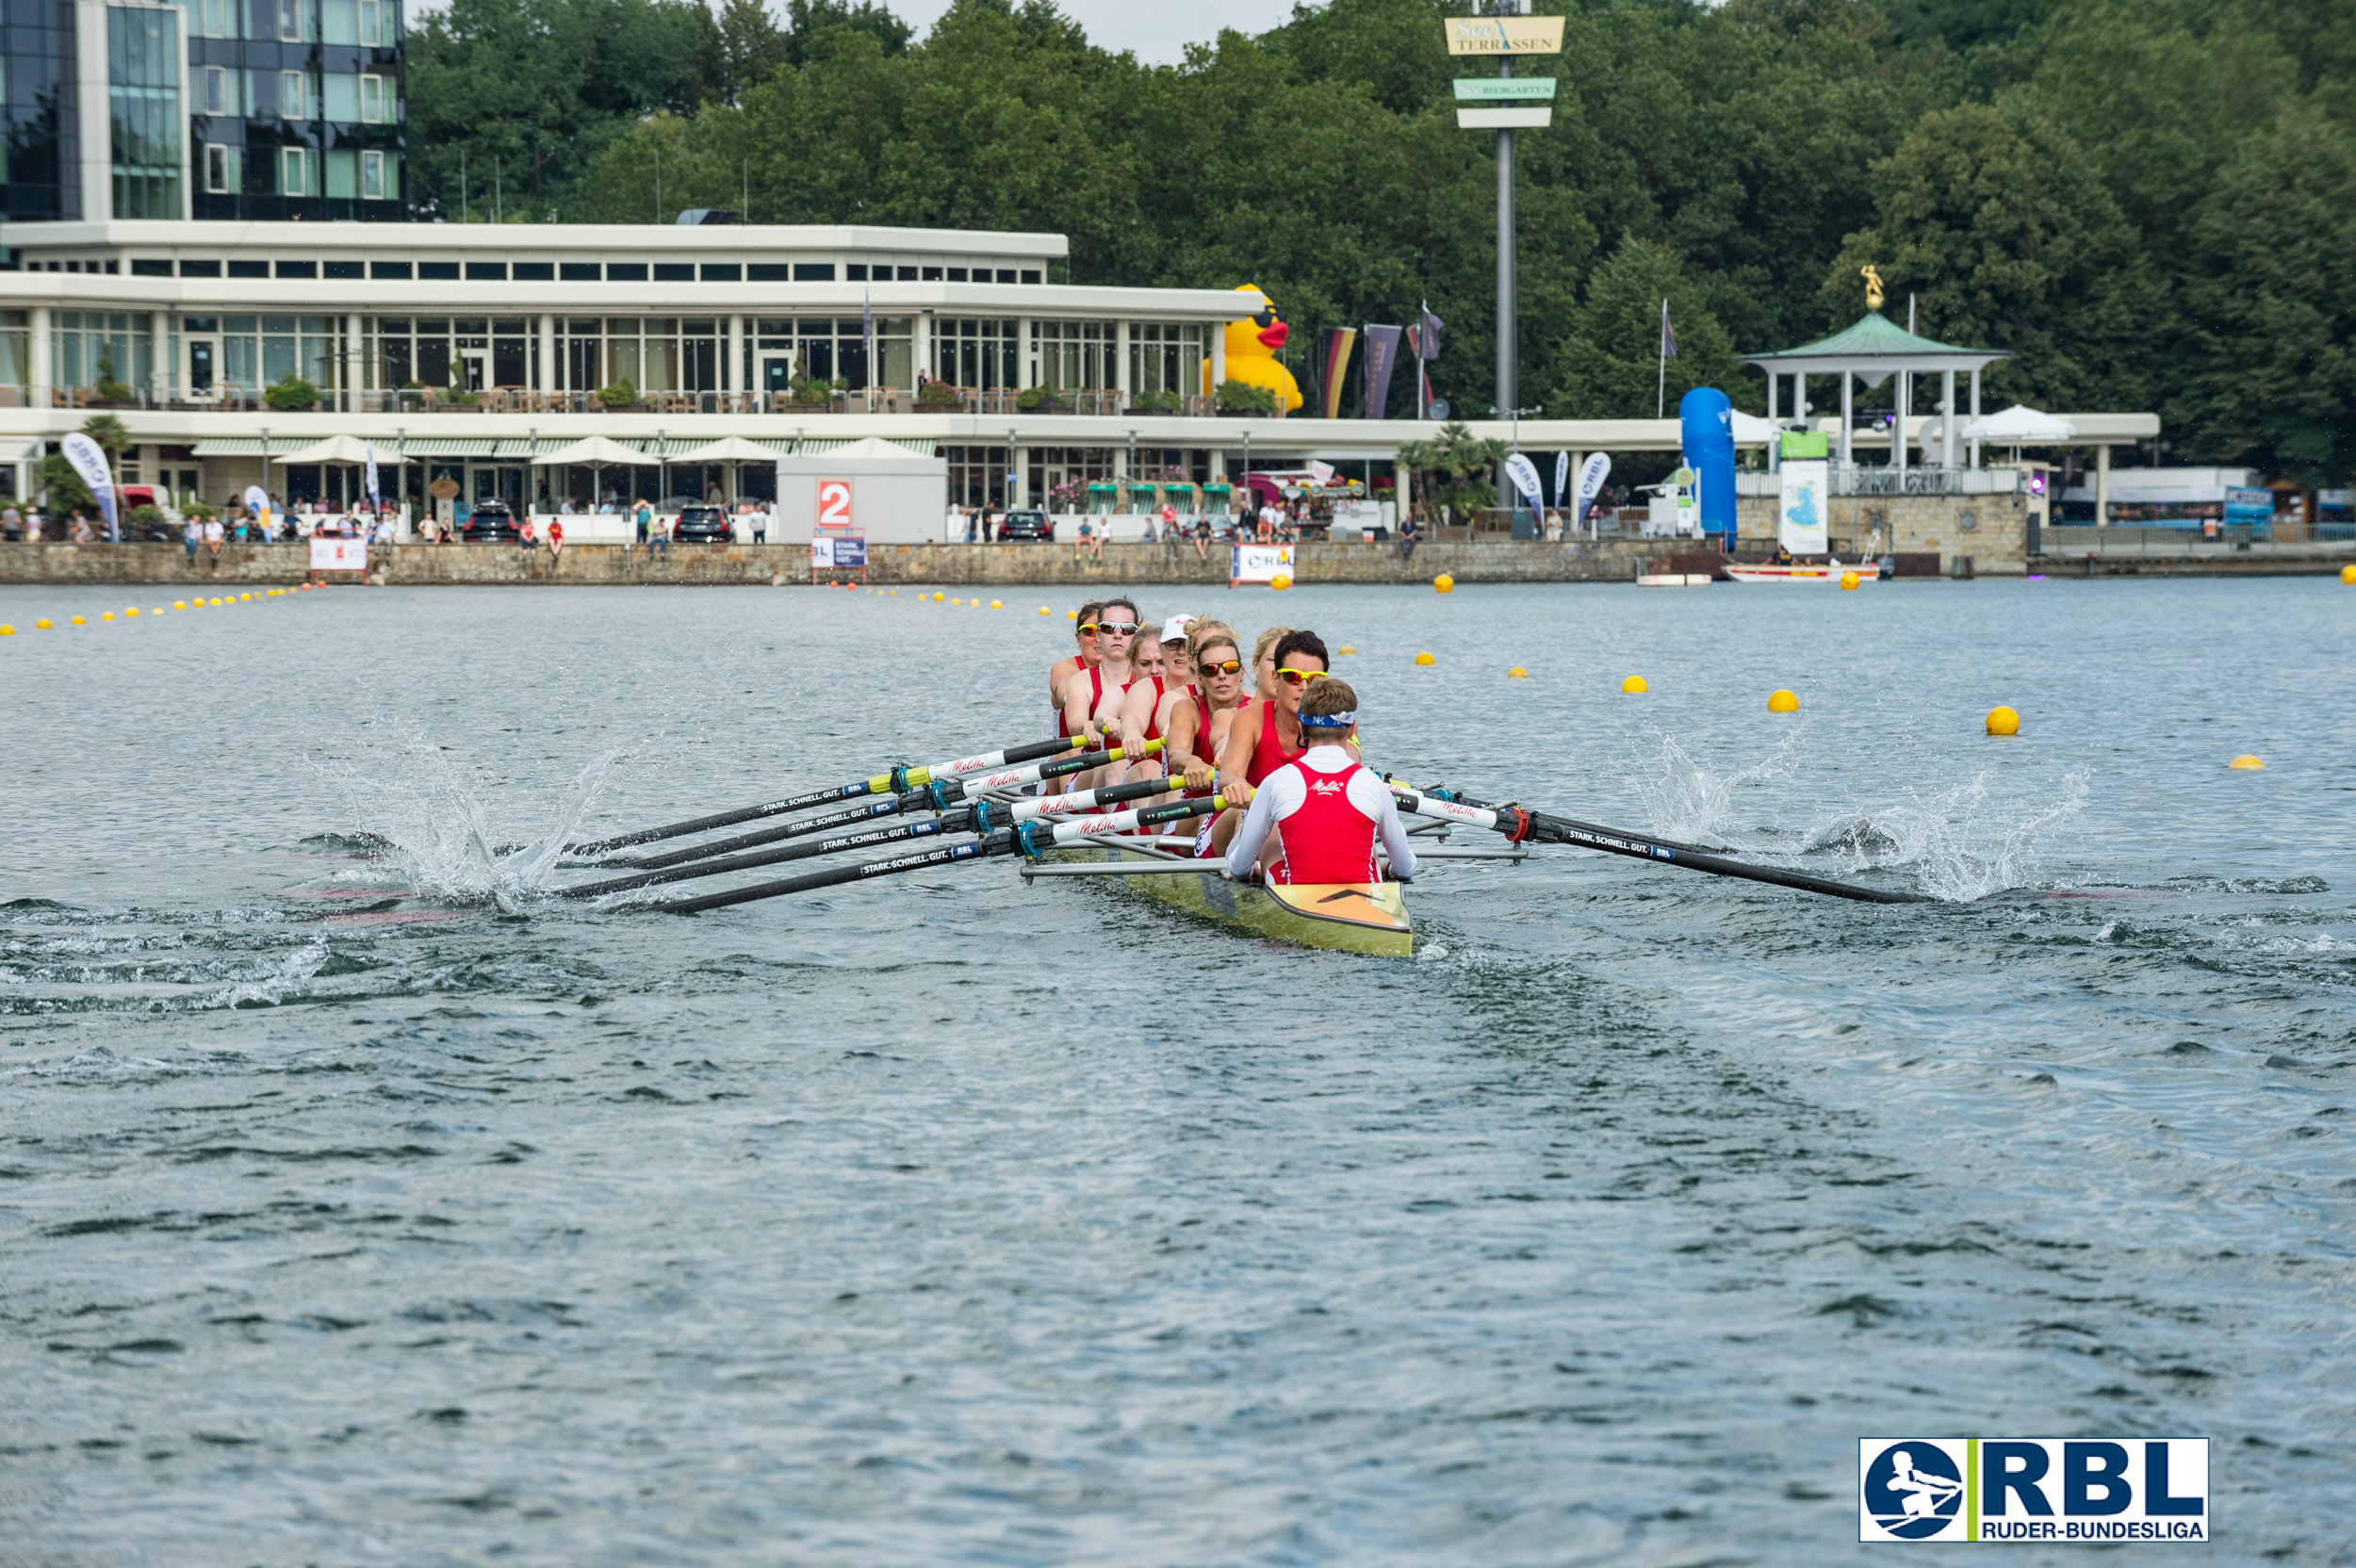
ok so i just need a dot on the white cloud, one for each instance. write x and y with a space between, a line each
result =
1157 30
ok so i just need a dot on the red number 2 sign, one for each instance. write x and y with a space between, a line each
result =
834 504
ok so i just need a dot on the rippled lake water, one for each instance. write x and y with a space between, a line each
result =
366 1207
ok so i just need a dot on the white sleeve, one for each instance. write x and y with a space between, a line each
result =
1372 796
1269 802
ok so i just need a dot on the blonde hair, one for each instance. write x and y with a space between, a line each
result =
1204 634
1269 639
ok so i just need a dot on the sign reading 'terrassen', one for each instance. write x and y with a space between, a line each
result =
1504 35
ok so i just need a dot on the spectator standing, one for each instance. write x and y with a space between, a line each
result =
192 534
645 521
11 523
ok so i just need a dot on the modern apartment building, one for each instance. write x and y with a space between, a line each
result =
139 110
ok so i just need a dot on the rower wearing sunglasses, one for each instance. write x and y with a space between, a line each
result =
1266 735
1199 718
1093 696
1084 633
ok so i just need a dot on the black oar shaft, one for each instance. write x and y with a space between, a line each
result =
1559 830
834 877
955 821
882 783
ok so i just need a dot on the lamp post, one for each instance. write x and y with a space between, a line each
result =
1505 478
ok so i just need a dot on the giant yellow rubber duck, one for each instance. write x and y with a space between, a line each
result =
1251 345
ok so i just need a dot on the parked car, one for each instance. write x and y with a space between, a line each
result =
707 525
1027 525
489 520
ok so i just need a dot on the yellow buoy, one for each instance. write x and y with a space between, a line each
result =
995 605
1783 702
1345 648
2347 575
1634 683
7 631
79 621
1044 611
131 614
1517 673
2245 763
1280 582
179 604
936 599
1420 659
41 626
107 616
1848 579
245 596
217 604
1071 614
1444 583
2003 720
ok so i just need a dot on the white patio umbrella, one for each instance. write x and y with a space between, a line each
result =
733 448
595 453
2019 425
347 450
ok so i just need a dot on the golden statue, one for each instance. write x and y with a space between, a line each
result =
1873 287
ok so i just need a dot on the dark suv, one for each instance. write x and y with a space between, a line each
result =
490 521
1027 525
708 525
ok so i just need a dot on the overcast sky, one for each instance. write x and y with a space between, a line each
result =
1159 30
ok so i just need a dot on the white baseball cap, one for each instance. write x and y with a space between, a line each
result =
1176 628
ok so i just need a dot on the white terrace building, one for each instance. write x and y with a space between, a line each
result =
474 347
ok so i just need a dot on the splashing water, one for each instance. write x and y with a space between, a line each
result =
431 824
1686 800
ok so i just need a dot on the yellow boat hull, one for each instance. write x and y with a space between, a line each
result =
1348 917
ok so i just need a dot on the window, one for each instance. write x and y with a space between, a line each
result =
389 270
907 274
675 271
721 271
376 24
143 110
221 173
371 100
294 172
437 271
1165 358
341 270
1005 274
534 272
813 272
1075 356
487 271
249 268
956 274
290 21
343 175
581 271
217 92
372 186
145 267
768 271
202 268
626 271
213 17
1029 276
339 97
298 269
855 272
292 96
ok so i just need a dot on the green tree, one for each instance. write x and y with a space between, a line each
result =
1991 217
751 45
1609 365
2273 380
1458 468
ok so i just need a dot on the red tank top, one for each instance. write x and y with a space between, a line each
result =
1154 716
1328 839
1269 753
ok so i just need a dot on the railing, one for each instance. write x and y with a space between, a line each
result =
226 397
1858 480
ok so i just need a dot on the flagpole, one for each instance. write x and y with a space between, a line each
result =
1660 396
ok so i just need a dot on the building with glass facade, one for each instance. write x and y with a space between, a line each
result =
124 110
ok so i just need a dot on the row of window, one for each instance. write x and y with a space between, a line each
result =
368 177
373 22
339 96
385 187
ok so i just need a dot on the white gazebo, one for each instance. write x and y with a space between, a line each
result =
1870 352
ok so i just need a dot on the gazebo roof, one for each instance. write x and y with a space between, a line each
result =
1875 345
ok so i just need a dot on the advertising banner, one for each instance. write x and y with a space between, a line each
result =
1381 358
2079 1490
1333 364
1525 476
89 461
1258 563
1800 511
1591 477
339 555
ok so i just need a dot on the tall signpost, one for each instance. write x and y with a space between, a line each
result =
1505 104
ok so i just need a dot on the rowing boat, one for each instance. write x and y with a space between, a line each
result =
1800 572
1349 917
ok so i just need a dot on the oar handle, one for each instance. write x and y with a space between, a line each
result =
954 822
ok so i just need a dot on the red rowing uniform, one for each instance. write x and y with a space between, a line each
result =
1327 837
1154 714
1268 753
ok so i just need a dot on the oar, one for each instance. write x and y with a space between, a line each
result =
936 796
1438 792
1519 825
981 816
883 783
1027 839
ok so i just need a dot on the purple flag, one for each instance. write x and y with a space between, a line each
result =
1381 356
1428 340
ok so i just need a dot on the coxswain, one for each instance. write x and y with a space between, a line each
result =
1266 735
1083 633
1316 819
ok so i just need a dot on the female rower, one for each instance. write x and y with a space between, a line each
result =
1084 633
1198 723
1264 661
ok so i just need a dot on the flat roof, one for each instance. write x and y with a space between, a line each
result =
172 236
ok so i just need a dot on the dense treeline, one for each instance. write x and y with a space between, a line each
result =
2152 202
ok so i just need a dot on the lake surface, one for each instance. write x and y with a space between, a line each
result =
373 1208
